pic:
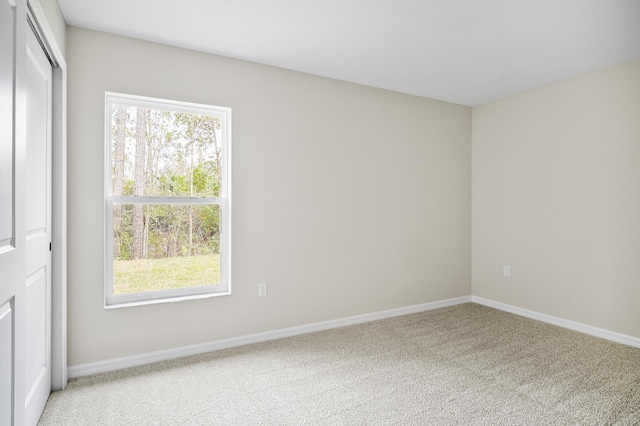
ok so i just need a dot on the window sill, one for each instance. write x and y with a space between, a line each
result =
173 299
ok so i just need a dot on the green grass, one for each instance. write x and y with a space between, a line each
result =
135 276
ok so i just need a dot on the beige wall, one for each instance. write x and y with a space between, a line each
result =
52 11
347 199
556 196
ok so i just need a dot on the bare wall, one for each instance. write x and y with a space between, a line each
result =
346 199
556 196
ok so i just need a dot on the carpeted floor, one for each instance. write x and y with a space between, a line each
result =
463 365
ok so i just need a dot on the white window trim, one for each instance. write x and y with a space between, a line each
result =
224 201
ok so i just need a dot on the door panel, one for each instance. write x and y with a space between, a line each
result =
6 124
7 182
38 93
6 355
38 231
36 326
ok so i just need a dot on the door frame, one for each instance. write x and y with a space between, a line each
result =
37 18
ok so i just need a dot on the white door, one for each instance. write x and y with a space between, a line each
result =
38 231
10 244
25 220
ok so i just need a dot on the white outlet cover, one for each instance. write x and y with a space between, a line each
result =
262 289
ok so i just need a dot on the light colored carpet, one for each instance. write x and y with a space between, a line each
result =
463 365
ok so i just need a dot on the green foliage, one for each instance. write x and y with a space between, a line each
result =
182 159
206 179
128 187
210 222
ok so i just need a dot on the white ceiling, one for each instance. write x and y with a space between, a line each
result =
462 51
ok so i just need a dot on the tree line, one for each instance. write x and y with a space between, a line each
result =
169 154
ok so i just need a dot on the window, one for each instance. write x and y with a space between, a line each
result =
167 200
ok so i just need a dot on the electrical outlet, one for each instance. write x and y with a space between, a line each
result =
262 289
506 271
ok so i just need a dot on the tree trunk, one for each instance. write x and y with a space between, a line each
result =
118 177
148 178
139 183
189 253
145 232
191 194
216 148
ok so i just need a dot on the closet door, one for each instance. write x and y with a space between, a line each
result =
11 214
25 219
38 230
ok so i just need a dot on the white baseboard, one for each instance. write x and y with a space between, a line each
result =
147 358
572 325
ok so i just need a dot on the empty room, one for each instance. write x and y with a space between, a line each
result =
320 212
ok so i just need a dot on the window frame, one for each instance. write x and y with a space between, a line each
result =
223 201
